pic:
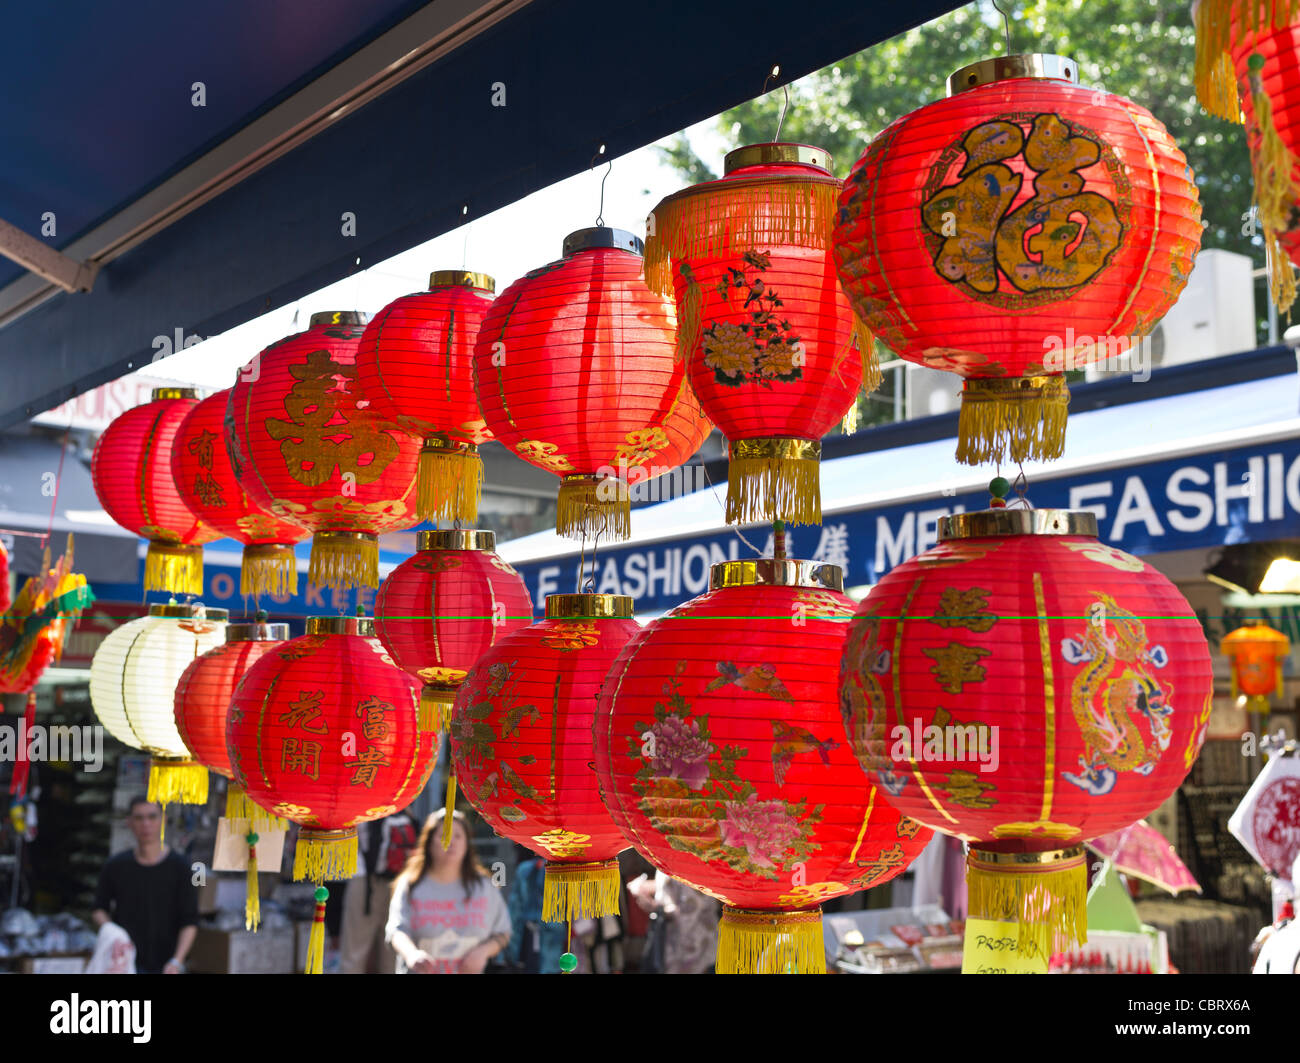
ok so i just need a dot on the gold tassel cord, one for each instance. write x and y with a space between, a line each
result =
774 479
343 560
268 568
450 481
872 377
252 896
1044 894
240 806
759 942
316 939
173 567
580 891
1020 418
1216 80
588 506
740 214
449 809
1277 193
177 781
325 856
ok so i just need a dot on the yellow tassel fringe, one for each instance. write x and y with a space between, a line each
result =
1276 195
448 809
752 942
252 896
580 891
325 856
173 567
872 377
999 420
774 488
1216 81
344 560
434 712
450 481
1050 907
738 216
588 506
316 944
242 807
268 568
182 782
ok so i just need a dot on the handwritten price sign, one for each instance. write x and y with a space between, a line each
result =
990 948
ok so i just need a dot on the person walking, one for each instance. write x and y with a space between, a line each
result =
149 892
446 916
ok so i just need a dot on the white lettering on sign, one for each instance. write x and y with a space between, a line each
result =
548 581
893 550
1082 495
1135 505
1180 496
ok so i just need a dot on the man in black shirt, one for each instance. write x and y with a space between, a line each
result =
148 891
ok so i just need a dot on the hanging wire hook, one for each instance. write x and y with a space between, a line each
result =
776 71
600 216
1021 485
1006 22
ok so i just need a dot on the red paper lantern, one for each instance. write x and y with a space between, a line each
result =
306 447
1021 227
415 365
206 481
574 372
1257 653
131 470
720 754
768 334
521 744
439 611
1025 687
321 730
1248 70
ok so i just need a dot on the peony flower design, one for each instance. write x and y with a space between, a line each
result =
729 351
680 752
765 830
777 361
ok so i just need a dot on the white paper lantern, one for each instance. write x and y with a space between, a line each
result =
133 681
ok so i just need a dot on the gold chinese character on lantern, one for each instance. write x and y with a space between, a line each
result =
301 756
305 712
366 767
371 711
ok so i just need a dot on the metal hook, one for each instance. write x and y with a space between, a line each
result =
1021 485
1006 22
776 70
600 216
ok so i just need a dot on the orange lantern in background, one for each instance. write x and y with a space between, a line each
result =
1022 227
574 372
415 365
132 473
306 447
1025 687
767 333
1257 653
206 481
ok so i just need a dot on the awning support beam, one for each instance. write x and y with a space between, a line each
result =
45 261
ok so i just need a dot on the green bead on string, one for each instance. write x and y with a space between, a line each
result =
568 963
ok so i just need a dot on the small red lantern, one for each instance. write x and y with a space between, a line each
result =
307 448
1021 227
768 334
521 743
205 479
439 612
1025 687
1257 653
415 365
1248 60
720 754
132 474
322 730
574 372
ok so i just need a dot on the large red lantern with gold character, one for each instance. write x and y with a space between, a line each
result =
1024 226
439 611
307 447
206 481
521 741
1025 687
1248 70
575 373
132 473
415 365
775 354
720 753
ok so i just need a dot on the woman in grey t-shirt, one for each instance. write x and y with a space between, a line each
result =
446 917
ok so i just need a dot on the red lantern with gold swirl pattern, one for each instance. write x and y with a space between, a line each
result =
132 474
720 754
415 365
206 481
521 742
307 447
574 372
1022 227
1025 687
